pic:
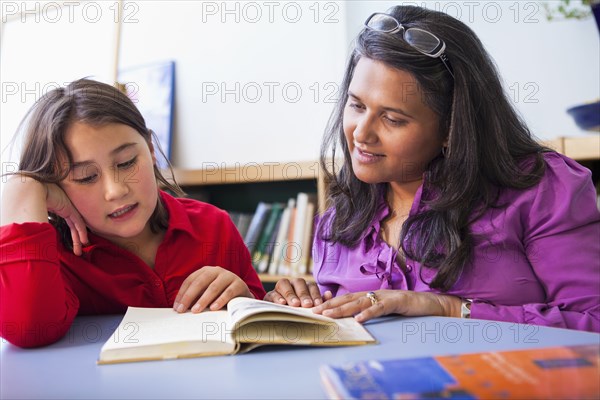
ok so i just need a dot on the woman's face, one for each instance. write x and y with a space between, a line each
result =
111 181
391 133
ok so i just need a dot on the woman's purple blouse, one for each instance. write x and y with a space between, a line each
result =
536 261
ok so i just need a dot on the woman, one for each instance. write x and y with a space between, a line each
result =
445 204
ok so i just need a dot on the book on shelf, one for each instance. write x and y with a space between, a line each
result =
289 249
264 263
161 333
305 255
262 248
235 217
256 225
279 236
552 372
242 222
278 247
298 234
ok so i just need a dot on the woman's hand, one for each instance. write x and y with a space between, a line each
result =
401 302
209 286
59 203
296 293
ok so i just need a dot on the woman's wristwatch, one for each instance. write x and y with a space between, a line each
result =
465 308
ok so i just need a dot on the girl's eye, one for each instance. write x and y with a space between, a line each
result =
127 164
86 180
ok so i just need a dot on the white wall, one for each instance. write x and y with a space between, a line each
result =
43 50
252 78
547 66
245 46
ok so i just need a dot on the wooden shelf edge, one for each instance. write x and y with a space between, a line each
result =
216 174
582 148
579 148
274 278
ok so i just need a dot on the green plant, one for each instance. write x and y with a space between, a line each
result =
567 9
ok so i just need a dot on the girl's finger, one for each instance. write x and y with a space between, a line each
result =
235 288
75 238
207 292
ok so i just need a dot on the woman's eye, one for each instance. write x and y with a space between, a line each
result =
395 122
356 106
127 164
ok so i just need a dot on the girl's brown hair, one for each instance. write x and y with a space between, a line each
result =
89 102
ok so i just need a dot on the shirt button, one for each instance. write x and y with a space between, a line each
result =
157 283
409 267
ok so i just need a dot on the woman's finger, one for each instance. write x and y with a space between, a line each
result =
337 302
302 291
285 289
348 309
315 293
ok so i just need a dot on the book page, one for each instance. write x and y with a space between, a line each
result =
341 332
159 333
257 321
244 309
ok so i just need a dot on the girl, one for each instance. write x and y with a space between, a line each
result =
86 229
445 204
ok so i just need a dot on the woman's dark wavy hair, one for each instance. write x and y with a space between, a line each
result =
488 146
93 103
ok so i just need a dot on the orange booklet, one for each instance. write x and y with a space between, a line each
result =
569 372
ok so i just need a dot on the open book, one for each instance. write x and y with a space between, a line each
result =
161 333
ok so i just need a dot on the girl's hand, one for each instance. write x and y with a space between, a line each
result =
401 302
297 293
212 286
25 199
59 203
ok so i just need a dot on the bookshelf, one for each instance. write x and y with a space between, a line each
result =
241 187
276 179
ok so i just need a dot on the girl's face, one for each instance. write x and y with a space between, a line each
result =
391 133
111 181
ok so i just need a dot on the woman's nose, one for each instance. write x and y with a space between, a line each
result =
364 130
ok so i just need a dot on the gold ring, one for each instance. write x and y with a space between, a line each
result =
371 296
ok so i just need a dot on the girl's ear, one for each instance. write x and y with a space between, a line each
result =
151 147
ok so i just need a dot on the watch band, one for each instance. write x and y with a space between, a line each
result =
465 308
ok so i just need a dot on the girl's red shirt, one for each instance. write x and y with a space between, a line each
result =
43 285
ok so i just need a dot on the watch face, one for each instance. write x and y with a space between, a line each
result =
465 308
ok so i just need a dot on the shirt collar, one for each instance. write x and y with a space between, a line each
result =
383 209
178 216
